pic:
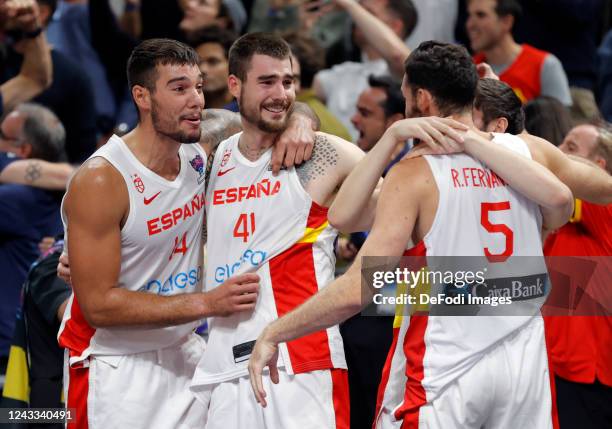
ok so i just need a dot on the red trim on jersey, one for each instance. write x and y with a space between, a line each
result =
78 391
294 281
412 359
385 376
340 389
414 350
317 216
77 333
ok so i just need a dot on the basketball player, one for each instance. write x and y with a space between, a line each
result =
278 227
133 216
446 372
498 109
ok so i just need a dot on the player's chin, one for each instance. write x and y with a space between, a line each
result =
191 137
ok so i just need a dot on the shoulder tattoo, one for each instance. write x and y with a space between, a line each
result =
324 158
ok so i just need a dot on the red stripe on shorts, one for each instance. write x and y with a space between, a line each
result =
342 402
78 391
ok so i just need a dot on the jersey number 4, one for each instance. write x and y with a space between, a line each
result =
245 226
498 228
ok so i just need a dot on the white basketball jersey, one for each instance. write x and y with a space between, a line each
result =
161 250
269 225
477 215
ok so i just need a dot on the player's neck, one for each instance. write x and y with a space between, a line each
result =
464 117
504 53
254 142
158 153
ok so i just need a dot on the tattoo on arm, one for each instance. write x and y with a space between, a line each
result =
324 158
218 125
32 173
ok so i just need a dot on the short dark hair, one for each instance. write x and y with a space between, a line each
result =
310 55
395 102
43 131
496 99
251 44
141 66
213 34
447 71
407 12
509 7
548 118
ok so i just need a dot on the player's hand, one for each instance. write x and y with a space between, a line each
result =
440 135
238 293
486 72
265 353
63 268
294 145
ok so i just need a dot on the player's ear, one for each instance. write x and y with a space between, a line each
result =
234 84
601 162
142 97
424 101
501 125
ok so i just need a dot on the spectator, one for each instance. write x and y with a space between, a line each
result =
36 381
353 47
380 30
437 20
69 32
529 71
497 109
35 172
307 59
546 117
27 214
36 69
198 14
378 106
212 45
70 95
579 345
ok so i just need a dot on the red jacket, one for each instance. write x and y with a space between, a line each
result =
579 346
524 73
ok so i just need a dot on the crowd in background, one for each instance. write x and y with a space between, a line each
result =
64 92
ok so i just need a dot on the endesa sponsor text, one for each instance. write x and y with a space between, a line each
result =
264 188
176 216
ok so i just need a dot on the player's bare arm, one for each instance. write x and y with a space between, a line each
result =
354 206
554 197
586 182
38 173
96 206
345 297
332 161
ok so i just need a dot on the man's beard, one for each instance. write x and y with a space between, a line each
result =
253 116
162 127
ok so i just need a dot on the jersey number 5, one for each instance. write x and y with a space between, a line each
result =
245 226
501 228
